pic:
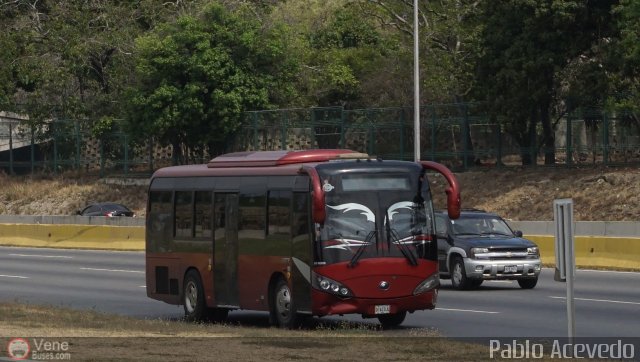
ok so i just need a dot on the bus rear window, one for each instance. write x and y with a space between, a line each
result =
369 182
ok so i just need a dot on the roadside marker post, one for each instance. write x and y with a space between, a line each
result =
565 255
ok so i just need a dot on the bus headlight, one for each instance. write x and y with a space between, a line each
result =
329 286
427 284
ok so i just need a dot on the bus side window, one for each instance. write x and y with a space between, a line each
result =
184 214
219 224
252 216
300 221
279 222
160 225
203 214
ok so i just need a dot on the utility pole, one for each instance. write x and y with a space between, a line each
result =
416 85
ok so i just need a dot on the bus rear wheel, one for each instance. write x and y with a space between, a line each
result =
283 307
217 315
389 321
193 297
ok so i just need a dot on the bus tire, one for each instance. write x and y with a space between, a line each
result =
283 307
195 308
218 315
389 321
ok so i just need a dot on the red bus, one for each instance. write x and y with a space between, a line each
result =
294 233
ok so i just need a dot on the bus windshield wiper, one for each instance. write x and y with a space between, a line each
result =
392 235
403 248
358 254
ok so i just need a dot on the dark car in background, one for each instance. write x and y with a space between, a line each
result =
108 209
481 246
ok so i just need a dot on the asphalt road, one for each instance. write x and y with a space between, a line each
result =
607 303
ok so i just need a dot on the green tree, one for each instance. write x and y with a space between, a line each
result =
528 48
196 76
625 58
73 59
345 59
448 44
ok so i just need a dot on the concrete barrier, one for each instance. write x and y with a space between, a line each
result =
73 236
598 243
581 228
71 220
606 244
595 251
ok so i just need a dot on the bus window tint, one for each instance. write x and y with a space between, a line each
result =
300 222
184 214
366 182
279 213
219 215
159 218
203 214
252 216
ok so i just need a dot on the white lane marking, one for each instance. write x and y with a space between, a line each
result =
500 281
467 310
114 270
13 276
43 256
608 271
142 286
598 300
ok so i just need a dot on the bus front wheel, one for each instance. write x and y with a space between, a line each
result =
193 297
282 308
392 320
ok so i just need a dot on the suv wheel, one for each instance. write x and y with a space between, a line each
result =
528 283
459 278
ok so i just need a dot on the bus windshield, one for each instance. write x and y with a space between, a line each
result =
366 224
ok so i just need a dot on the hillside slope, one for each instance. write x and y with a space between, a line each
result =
599 194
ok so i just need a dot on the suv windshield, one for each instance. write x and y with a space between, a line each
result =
480 225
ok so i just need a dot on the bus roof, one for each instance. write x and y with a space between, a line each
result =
280 158
258 163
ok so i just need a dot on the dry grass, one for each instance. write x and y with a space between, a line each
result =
63 195
599 194
97 336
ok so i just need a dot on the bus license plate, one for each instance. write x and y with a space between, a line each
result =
511 269
383 309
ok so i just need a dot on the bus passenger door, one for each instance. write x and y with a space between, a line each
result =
225 250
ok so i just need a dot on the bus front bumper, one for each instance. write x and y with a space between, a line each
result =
329 304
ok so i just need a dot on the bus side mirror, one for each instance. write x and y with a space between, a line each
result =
453 191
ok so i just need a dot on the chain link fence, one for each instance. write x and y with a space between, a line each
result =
458 135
